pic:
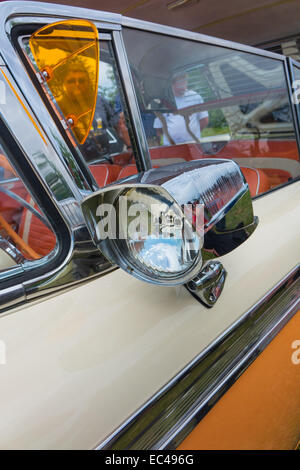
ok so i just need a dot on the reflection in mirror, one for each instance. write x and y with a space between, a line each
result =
67 54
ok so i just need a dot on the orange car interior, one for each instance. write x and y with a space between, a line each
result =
35 240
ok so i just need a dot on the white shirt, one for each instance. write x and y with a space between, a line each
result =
176 123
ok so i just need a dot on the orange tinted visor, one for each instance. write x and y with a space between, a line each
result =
67 55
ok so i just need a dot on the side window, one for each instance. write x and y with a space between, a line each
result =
109 148
25 233
198 100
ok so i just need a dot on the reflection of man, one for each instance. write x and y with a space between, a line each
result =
77 98
76 103
174 127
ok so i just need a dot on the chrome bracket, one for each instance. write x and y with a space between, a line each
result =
207 286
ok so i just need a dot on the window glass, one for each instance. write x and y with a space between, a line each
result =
25 233
198 100
109 148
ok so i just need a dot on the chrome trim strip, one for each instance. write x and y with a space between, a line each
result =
25 9
290 70
12 296
170 415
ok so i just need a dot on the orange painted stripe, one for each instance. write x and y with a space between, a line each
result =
23 105
262 409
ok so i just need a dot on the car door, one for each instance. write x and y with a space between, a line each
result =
102 359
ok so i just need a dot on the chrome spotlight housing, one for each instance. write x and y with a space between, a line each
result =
163 225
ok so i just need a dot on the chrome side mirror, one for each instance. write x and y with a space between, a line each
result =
166 225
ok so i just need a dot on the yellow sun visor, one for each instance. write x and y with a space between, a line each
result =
67 55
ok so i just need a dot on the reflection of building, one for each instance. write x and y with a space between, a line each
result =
287 46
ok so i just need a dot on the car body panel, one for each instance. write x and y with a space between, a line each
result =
84 352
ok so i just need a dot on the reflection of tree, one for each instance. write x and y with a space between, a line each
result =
109 91
52 176
199 82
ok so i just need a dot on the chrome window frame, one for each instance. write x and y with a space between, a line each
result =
143 160
13 279
291 64
66 264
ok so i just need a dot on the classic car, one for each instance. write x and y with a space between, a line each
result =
194 343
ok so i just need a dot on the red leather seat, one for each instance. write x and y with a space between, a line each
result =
172 153
257 180
105 173
128 170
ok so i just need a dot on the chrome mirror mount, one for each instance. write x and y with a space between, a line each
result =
193 212
208 285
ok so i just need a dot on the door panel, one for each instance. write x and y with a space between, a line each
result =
80 362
